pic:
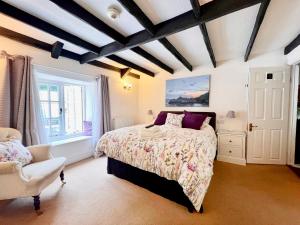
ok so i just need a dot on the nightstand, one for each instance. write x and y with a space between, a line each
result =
231 146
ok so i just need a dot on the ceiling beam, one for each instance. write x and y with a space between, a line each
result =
79 12
197 12
56 49
209 11
291 46
130 64
75 9
137 12
259 19
175 53
44 26
48 47
141 17
125 72
151 58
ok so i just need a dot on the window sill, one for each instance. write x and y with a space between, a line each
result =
70 140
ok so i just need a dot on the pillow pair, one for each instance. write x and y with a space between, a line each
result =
186 120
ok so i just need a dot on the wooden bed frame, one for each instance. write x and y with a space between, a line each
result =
169 189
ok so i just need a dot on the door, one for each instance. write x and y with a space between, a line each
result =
268 112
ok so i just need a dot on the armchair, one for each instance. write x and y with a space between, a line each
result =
30 180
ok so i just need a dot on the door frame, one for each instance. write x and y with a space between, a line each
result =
293 114
289 139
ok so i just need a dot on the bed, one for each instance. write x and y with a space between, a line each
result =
171 164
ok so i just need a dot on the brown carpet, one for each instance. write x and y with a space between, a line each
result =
255 194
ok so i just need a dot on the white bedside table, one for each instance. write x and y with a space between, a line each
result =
231 146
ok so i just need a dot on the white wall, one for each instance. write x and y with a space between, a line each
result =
124 104
227 91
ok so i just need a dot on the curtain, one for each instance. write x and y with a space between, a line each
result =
19 103
102 114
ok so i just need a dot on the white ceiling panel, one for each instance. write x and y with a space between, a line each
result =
280 26
51 13
139 60
161 10
230 34
191 45
160 52
126 24
32 32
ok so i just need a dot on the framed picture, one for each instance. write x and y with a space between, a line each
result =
188 92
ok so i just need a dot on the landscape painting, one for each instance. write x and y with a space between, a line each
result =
188 92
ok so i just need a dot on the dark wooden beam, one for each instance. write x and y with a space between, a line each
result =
125 72
76 10
56 49
79 12
137 12
44 26
197 12
259 19
175 53
152 59
130 64
48 47
291 46
209 11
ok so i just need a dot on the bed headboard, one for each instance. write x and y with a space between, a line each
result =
210 114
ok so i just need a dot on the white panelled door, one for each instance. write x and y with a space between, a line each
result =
268 115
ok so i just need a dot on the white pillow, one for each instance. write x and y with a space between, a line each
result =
206 122
174 119
14 151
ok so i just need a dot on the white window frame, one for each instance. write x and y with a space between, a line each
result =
61 85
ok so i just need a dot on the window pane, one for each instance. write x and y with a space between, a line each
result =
45 109
73 108
43 92
55 126
54 93
55 109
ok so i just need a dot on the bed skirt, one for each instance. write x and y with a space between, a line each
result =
166 188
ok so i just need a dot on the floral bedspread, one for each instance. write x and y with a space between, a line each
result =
180 154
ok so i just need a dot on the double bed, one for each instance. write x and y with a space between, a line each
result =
176 163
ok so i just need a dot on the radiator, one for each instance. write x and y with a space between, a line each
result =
119 122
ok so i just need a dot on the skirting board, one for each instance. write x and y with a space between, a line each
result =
232 160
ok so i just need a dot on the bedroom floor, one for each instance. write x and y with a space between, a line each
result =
237 196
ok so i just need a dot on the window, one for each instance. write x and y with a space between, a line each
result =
63 108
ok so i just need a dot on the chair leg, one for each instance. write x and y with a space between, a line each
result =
62 177
36 204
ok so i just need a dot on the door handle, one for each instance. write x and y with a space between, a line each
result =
251 127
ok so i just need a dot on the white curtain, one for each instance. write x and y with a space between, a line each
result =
102 112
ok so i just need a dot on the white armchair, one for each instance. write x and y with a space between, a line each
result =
31 179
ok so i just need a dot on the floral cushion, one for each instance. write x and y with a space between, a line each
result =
174 119
13 150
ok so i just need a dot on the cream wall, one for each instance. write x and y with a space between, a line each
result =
124 104
228 90
127 100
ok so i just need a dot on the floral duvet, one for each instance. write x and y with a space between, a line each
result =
180 154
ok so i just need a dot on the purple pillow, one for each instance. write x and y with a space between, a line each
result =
193 121
161 118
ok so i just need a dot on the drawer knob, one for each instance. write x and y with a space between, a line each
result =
230 151
230 141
